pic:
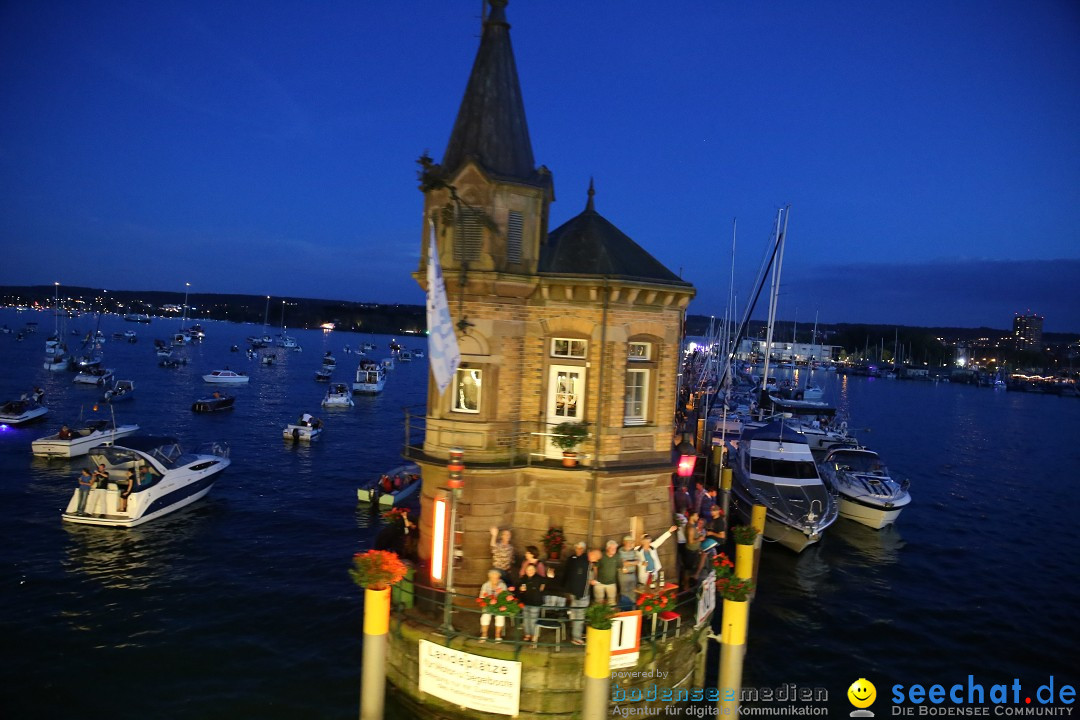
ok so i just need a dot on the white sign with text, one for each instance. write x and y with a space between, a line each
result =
625 639
472 681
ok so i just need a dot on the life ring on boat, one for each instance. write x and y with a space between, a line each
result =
843 427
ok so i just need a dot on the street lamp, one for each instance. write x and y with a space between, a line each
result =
687 459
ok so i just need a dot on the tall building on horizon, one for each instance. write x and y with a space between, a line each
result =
1027 331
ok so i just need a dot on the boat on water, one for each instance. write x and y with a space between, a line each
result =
368 347
388 363
812 392
225 376
306 429
87 361
405 356
329 360
99 376
57 358
323 374
215 402
122 390
171 363
137 317
175 480
338 395
773 466
22 411
866 491
287 342
370 378
392 487
418 353
267 359
78 441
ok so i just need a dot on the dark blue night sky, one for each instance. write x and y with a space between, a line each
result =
930 150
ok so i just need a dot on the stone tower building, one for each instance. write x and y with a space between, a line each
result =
576 324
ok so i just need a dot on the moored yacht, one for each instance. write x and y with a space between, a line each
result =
167 479
306 429
225 376
78 441
867 493
22 411
102 377
773 466
370 378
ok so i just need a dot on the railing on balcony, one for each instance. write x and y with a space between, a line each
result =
505 444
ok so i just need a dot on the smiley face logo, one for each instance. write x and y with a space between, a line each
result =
862 693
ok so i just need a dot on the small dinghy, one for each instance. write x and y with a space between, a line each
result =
338 395
122 390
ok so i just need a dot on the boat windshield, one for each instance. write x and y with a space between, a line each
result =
796 470
860 462
167 455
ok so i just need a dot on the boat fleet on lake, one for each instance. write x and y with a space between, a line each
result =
138 478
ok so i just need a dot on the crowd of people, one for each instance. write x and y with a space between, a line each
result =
135 480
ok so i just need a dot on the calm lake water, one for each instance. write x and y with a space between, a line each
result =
240 606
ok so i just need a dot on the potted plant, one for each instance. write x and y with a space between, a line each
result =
599 616
377 569
745 538
723 566
652 603
501 603
553 541
567 437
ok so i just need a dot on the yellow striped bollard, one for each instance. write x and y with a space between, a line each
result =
373 670
597 674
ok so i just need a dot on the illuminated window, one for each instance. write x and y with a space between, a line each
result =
637 397
568 348
467 383
640 351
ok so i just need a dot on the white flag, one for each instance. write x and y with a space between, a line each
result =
442 342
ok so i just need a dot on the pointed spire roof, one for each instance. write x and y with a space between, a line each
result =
589 245
490 125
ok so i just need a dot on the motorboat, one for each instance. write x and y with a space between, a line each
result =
368 347
817 422
21 412
196 333
78 441
267 359
329 360
175 480
323 374
180 339
306 429
122 390
388 363
773 466
137 317
392 487
130 335
338 395
867 493
418 353
87 361
102 377
287 342
370 378
172 363
216 402
405 356
225 376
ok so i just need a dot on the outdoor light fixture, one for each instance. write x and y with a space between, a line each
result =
455 466
438 540
687 459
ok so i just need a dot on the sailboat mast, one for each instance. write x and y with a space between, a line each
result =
774 296
183 314
266 315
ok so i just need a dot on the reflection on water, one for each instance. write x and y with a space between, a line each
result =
867 546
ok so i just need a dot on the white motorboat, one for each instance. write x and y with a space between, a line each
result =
867 493
388 363
88 361
370 378
323 374
225 377
306 429
338 395
79 441
329 360
21 412
176 479
405 356
180 339
418 353
773 467
122 390
102 377
130 335
393 487
288 342
137 317
368 347
267 359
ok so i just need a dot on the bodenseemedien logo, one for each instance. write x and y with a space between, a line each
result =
862 694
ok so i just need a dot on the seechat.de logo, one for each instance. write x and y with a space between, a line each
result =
862 694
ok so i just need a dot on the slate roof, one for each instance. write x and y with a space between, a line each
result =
490 125
589 245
